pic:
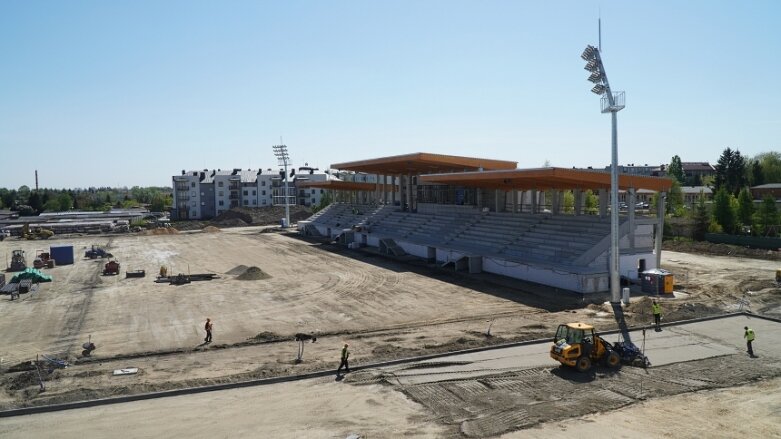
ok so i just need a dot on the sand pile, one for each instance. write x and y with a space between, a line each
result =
253 273
211 229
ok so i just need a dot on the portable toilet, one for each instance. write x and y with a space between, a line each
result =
657 281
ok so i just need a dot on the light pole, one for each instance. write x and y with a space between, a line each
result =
283 159
611 103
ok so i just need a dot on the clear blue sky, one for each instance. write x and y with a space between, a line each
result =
132 92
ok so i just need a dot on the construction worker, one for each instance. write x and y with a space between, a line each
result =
657 315
344 363
208 327
749 336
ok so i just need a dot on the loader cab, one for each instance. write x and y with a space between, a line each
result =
574 333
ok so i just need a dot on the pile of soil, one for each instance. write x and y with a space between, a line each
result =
229 218
211 229
253 273
259 216
703 247
161 231
237 270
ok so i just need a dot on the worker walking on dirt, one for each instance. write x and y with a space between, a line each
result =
208 328
344 363
657 315
749 336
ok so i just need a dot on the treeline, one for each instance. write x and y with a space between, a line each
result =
32 202
733 210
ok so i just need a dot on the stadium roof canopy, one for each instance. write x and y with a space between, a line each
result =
423 163
547 178
343 185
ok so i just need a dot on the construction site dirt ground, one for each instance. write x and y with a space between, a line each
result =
385 309
511 392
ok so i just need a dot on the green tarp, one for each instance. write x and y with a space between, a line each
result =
32 273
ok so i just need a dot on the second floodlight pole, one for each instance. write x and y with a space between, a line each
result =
281 152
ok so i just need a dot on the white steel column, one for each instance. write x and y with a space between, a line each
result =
630 204
660 208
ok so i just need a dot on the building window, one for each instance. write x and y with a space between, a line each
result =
220 193
219 183
263 183
202 194
313 191
194 204
192 184
263 192
313 201
264 201
192 193
254 202
321 192
246 202
221 203
194 214
253 193
203 203
246 193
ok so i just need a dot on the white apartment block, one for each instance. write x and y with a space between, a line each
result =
208 193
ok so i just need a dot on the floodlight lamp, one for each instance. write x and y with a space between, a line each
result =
588 53
598 89
595 77
592 66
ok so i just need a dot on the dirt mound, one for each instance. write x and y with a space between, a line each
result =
229 218
259 216
161 231
253 273
237 270
211 229
687 246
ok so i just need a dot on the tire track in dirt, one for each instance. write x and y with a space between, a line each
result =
492 405
76 313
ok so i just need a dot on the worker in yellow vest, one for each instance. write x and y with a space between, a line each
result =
749 336
657 315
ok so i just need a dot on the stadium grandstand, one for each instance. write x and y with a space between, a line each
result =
481 215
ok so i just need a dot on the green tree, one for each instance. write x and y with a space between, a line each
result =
768 216
745 207
701 219
757 177
674 203
771 167
65 202
723 212
730 172
569 202
22 194
675 169
51 206
35 201
590 202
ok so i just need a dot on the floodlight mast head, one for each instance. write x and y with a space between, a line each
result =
598 76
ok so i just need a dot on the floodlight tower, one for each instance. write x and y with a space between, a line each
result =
283 159
611 102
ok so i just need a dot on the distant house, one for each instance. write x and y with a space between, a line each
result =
691 194
763 190
693 172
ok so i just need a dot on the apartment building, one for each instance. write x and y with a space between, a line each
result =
205 194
